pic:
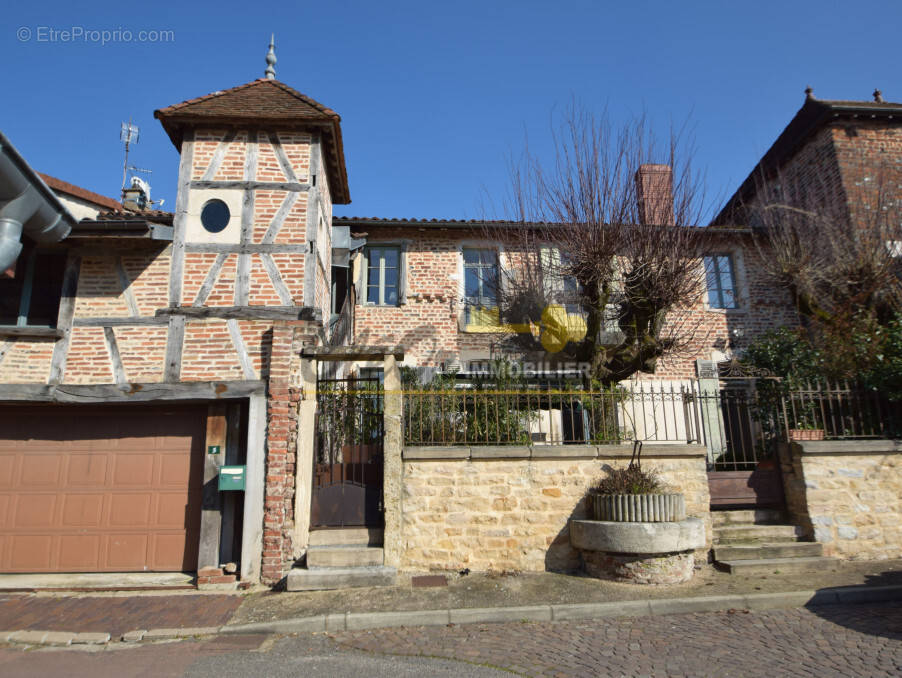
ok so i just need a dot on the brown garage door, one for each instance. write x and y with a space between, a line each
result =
116 489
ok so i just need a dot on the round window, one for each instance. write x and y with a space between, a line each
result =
215 215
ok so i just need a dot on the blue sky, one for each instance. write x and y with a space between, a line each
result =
435 97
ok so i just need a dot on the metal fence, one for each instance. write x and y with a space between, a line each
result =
739 424
838 411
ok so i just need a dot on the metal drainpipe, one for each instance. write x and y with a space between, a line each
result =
27 205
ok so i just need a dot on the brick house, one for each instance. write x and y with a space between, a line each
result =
141 351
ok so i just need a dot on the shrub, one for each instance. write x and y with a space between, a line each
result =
629 480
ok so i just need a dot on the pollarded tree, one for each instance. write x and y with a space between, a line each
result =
603 255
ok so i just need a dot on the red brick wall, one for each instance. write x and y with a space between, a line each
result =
281 443
427 325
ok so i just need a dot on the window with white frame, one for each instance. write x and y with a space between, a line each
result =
721 281
383 275
480 279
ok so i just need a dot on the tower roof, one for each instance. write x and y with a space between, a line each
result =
811 117
269 104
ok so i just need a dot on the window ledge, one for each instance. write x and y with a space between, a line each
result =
37 332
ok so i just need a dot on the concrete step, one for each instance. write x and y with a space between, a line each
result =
733 534
797 549
344 556
775 565
347 536
324 579
749 517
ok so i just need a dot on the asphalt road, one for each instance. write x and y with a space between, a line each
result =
850 640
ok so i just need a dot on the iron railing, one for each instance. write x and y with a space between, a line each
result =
740 425
547 416
839 411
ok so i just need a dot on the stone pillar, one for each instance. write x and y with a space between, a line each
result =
392 467
305 456
709 407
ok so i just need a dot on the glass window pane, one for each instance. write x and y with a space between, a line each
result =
471 283
391 256
390 277
729 300
372 294
471 256
391 295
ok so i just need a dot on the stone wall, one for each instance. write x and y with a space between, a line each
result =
507 508
846 493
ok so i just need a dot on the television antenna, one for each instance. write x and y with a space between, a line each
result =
128 134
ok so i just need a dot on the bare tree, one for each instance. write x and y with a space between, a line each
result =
603 268
835 247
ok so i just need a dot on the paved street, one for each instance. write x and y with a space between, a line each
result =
114 614
852 640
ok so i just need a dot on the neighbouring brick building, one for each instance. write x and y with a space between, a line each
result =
194 330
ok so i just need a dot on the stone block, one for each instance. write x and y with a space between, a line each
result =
89 638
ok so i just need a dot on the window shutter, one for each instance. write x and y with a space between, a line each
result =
402 274
360 261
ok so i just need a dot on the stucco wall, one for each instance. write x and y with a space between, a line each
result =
497 509
847 494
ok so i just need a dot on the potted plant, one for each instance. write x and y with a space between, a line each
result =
636 529
805 430
632 494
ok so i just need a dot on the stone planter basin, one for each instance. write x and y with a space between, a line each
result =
638 538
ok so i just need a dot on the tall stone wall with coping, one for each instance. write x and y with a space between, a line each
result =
846 493
507 508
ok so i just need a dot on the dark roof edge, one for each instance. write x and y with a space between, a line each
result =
389 222
809 118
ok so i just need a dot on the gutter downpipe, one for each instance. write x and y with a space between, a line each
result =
27 205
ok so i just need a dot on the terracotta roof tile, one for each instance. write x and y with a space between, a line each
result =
265 103
260 99
60 186
158 216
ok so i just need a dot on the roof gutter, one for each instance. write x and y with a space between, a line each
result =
26 205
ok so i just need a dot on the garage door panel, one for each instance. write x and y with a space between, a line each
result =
87 469
100 489
7 469
174 468
128 551
172 510
31 551
40 470
82 510
35 511
78 553
130 510
134 469
170 551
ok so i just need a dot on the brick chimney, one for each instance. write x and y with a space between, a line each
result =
654 194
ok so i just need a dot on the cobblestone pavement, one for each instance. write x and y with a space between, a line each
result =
115 615
849 640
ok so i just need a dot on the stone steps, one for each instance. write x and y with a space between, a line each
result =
341 559
345 555
749 517
765 551
733 534
775 565
327 578
353 536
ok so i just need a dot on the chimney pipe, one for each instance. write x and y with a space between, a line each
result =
654 195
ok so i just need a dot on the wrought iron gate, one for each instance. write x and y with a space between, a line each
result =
743 468
347 472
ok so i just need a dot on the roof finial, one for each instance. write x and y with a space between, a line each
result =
270 71
878 96
809 93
